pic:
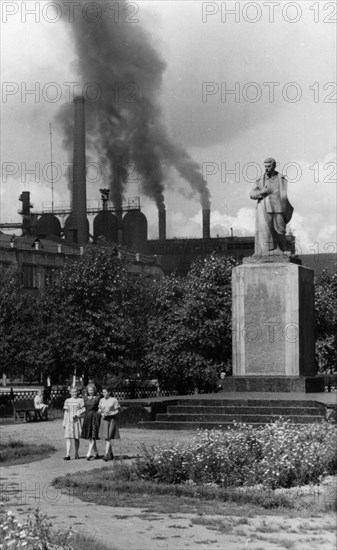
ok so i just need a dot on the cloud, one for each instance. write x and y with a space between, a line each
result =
180 224
219 130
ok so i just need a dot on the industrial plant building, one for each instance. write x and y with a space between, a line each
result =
56 235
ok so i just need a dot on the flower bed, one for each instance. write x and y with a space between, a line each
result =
280 454
35 534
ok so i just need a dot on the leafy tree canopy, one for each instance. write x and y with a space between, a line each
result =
326 322
189 336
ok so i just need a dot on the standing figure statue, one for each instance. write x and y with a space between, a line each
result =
273 211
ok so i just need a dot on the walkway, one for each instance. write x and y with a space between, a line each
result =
28 486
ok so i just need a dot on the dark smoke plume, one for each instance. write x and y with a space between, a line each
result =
125 124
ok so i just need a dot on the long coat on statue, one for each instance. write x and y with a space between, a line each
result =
274 211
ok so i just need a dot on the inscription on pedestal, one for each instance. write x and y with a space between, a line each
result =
263 330
272 320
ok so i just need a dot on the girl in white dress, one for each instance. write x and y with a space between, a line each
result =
72 421
108 408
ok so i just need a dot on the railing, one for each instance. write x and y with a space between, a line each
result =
58 396
56 401
330 382
140 392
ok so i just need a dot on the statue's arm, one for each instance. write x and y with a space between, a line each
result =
255 194
265 191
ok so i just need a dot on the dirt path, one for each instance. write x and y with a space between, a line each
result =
28 486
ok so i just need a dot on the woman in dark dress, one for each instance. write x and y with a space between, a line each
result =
91 421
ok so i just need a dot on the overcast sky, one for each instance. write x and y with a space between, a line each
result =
277 58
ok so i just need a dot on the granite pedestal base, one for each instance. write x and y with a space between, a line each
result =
297 384
273 325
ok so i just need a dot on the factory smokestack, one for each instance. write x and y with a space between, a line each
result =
206 217
128 131
79 188
162 224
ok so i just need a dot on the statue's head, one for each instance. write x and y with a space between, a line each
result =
270 165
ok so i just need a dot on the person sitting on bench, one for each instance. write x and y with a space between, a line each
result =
39 405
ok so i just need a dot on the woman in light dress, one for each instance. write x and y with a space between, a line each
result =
72 421
109 410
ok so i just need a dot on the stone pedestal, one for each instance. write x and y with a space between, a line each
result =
273 320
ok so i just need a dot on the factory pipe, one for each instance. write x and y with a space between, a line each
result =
162 224
206 220
79 188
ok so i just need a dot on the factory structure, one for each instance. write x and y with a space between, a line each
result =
46 243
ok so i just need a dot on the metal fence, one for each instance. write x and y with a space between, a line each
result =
58 396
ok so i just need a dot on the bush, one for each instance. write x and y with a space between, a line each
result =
280 454
35 534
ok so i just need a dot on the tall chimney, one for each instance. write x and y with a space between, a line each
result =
79 194
162 224
206 217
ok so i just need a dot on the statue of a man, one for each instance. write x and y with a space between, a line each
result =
273 211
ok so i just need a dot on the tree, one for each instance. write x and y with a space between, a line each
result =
326 322
189 338
92 318
17 317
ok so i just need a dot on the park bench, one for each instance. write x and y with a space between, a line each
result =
24 410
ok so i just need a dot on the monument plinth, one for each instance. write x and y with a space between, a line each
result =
273 322
273 330
273 325
273 302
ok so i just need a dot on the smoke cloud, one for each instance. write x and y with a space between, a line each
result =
125 124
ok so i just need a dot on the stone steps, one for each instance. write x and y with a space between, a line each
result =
229 418
245 402
241 410
191 414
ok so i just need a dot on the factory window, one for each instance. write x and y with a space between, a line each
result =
29 276
50 277
37 280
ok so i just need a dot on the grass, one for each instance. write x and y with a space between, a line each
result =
14 451
78 541
265 527
82 542
222 526
166 499
113 487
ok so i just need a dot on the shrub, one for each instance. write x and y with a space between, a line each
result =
35 534
280 454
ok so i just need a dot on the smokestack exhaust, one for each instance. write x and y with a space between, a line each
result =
79 189
162 224
206 220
